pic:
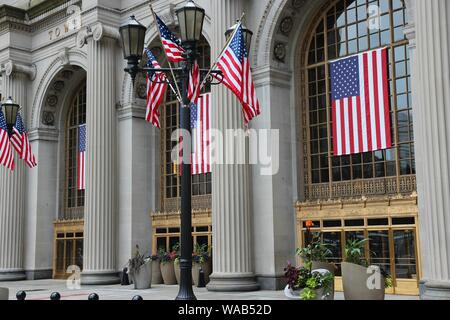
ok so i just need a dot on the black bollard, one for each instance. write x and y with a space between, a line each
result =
137 298
21 295
125 281
201 278
55 296
93 297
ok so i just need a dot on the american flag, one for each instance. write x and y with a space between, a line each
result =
155 90
81 165
237 75
360 103
21 143
201 135
194 83
6 156
171 44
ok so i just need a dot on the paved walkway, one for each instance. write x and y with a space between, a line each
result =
42 289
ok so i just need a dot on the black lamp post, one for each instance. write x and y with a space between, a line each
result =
10 110
190 18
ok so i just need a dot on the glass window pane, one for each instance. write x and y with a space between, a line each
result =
405 254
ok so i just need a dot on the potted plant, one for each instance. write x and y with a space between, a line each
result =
304 284
201 260
176 262
140 271
156 269
361 281
167 267
316 254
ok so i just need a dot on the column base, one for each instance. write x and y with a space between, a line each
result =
99 278
234 282
12 276
436 290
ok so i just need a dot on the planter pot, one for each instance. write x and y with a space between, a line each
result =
207 268
156 272
316 265
168 273
177 271
142 278
4 294
356 283
295 294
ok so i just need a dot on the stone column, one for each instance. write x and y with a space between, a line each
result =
99 261
12 185
232 246
431 89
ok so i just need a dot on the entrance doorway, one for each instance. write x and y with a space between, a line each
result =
392 245
68 248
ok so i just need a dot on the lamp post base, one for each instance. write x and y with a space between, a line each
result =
234 282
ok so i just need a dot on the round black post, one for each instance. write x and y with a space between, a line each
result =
186 292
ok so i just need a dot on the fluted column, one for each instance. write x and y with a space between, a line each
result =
99 260
431 87
232 247
12 191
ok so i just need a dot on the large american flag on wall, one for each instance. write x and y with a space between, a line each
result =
360 103
81 163
201 135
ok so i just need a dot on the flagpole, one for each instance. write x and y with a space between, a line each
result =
170 65
221 53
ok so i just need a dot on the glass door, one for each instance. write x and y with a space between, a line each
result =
405 260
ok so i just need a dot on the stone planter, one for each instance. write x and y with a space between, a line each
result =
316 265
4 294
207 268
168 273
355 282
177 270
142 279
156 272
295 294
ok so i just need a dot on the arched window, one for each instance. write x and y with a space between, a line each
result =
74 198
345 28
170 182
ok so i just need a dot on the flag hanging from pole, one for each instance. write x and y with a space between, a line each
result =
171 44
237 76
81 161
21 143
201 135
360 103
6 156
156 88
194 83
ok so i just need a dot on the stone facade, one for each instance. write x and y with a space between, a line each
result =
72 41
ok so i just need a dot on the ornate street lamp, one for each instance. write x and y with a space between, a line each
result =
247 33
10 110
133 37
190 18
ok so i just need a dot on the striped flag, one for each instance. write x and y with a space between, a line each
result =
360 103
237 76
81 163
201 135
21 143
6 156
194 83
171 44
156 88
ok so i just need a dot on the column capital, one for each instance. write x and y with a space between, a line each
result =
97 31
11 67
